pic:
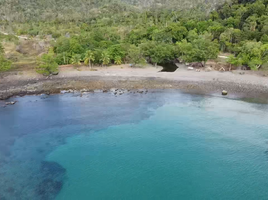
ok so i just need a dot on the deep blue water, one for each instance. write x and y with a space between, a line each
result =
160 145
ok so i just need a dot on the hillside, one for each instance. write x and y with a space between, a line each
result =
46 10
115 32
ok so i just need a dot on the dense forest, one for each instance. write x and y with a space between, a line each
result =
115 32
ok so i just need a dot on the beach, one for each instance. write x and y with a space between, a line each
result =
238 84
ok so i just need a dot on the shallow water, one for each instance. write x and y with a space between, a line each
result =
161 145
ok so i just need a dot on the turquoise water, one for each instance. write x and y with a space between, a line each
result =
162 145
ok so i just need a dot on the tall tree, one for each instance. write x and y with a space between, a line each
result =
89 58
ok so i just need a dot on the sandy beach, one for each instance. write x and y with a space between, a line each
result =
239 84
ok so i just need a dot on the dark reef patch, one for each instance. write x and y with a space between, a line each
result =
48 188
53 175
52 169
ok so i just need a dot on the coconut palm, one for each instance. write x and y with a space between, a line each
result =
118 60
89 58
105 58
76 59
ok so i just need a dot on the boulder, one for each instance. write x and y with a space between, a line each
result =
55 73
190 68
11 103
197 65
98 91
224 92
83 90
113 90
142 91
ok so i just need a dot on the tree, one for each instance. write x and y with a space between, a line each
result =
200 50
89 58
185 51
254 54
2 51
76 59
117 50
47 64
5 64
204 49
135 56
105 58
118 60
235 61
192 35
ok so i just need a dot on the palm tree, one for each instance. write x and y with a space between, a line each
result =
89 58
105 58
118 60
76 58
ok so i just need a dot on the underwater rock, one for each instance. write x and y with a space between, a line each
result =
52 169
142 91
52 182
48 188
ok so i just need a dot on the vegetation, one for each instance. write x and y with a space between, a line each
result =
4 63
47 64
114 32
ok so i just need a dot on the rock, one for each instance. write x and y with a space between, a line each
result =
98 91
43 96
142 91
113 90
245 67
197 65
83 90
11 103
55 73
66 91
63 91
190 68
224 92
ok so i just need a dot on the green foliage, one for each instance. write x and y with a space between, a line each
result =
253 54
89 58
199 50
47 64
76 59
2 51
235 61
135 56
109 31
118 60
158 52
5 64
105 58
116 51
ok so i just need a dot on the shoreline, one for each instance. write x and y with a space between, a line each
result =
247 86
